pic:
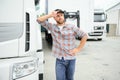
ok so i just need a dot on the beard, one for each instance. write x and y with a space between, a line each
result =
60 22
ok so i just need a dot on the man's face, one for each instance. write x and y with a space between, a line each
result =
59 18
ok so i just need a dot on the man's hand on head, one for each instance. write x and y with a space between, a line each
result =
53 13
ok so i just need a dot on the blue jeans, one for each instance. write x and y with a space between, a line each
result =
65 69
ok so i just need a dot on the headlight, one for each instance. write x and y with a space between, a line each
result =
23 69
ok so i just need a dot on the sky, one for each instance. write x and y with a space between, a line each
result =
105 4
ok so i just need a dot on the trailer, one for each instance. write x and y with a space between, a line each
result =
21 54
85 9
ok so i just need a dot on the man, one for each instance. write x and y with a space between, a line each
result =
64 48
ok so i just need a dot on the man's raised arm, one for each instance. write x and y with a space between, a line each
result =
45 17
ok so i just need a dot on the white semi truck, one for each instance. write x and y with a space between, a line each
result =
21 54
99 24
85 8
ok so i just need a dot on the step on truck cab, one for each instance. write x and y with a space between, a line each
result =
21 54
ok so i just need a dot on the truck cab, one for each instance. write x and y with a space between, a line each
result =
99 24
21 54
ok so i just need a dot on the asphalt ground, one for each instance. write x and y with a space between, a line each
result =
98 60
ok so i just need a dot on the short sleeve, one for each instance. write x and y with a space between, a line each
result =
46 25
78 31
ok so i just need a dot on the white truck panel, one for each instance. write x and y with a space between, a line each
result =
30 77
84 6
4 71
39 37
11 11
9 48
40 56
29 8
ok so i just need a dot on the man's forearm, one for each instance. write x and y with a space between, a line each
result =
43 18
82 42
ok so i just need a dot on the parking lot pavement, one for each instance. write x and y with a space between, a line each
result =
98 60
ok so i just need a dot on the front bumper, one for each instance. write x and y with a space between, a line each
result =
95 34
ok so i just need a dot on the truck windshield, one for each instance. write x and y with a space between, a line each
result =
99 17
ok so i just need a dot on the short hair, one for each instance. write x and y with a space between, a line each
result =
59 11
